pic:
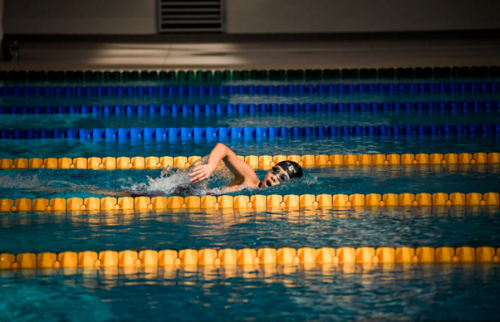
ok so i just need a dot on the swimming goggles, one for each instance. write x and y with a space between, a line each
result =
281 177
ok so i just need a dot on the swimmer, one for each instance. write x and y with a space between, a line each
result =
243 173
244 177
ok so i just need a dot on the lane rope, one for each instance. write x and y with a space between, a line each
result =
256 162
251 133
271 108
250 256
444 72
490 87
387 201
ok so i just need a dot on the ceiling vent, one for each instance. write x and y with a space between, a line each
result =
190 16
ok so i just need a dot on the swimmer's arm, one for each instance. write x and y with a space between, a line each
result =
242 172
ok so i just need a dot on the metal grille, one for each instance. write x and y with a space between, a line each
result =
190 16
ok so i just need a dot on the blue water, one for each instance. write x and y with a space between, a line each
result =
42 183
89 121
57 148
243 99
441 292
383 292
412 227
241 82
389 292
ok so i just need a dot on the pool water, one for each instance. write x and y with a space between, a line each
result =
72 148
49 184
389 292
243 99
411 227
90 121
235 82
446 292
394 293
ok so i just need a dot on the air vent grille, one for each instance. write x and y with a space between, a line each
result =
190 16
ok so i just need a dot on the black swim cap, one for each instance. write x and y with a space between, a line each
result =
293 169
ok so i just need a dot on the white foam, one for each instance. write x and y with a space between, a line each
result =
170 179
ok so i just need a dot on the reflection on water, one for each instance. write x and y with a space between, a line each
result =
241 99
90 121
158 230
47 183
72 148
263 292
387 292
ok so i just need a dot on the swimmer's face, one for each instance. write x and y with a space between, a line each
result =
274 177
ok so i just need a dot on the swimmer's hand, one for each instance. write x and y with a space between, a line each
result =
202 172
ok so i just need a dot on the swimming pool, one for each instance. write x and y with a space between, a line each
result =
406 224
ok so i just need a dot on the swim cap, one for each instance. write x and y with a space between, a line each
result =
293 169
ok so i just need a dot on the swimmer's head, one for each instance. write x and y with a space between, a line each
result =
283 171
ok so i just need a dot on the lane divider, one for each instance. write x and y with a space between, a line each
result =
250 256
257 133
259 202
229 109
445 72
268 90
256 162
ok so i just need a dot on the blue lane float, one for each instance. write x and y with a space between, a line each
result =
268 90
230 109
222 133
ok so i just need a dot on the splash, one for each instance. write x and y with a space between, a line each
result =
178 181
306 180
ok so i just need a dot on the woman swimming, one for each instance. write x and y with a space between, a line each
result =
185 185
243 173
